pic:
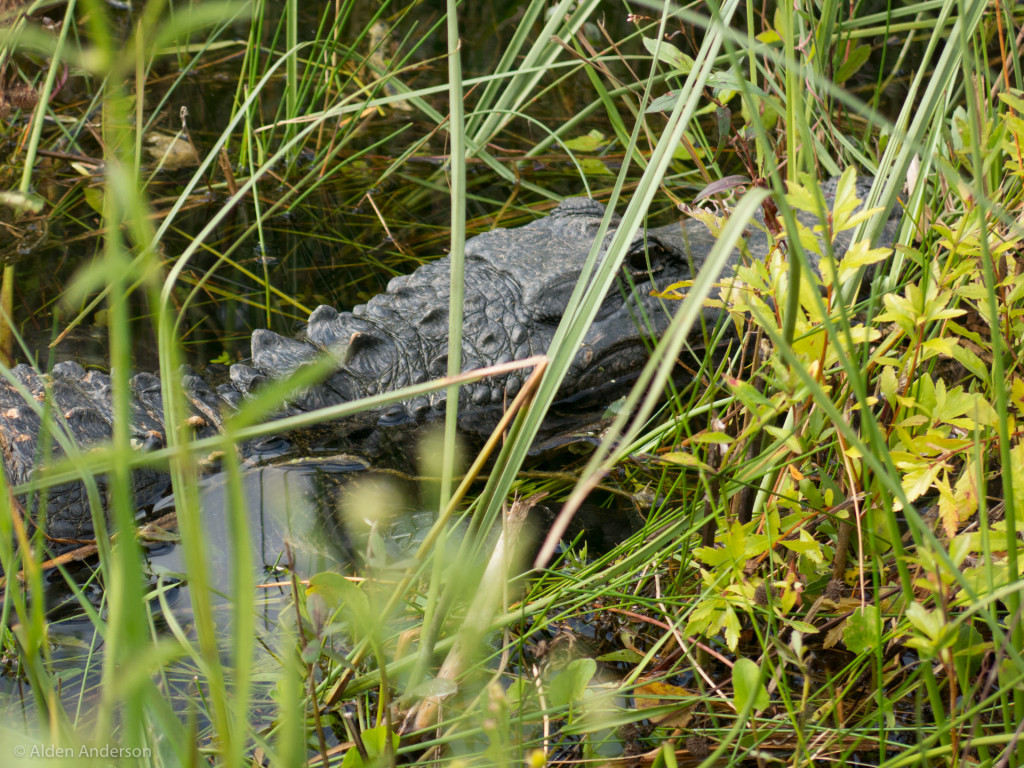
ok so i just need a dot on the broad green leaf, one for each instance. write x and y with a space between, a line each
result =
959 549
569 685
802 198
780 22
856 217
998 541
928 623
589 142
899 310
713 556
340 593
812 494
786 437
1017 392
675 291
800 627
748 394
593 167
852 63
731 627
888 383
627 655
1013 99
943 345
949 515
863 630
1017 475
664 103
846 200
955 402
736 541
94 199
374 739
747 688
981 413
669 54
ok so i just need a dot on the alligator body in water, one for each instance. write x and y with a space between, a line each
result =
517 285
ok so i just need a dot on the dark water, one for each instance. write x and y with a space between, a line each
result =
301 519
340 244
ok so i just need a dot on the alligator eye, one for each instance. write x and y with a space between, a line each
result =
647 260
637 260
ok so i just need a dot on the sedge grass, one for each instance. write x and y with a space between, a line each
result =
667 586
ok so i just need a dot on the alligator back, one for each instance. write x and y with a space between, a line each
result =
517 286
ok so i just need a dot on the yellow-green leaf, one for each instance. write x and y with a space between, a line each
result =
589 142
861 255
686 460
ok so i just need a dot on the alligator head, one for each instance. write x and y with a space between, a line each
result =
517 286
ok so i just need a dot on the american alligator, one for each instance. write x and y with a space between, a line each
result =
517 284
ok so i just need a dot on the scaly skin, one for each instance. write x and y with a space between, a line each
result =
517 285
